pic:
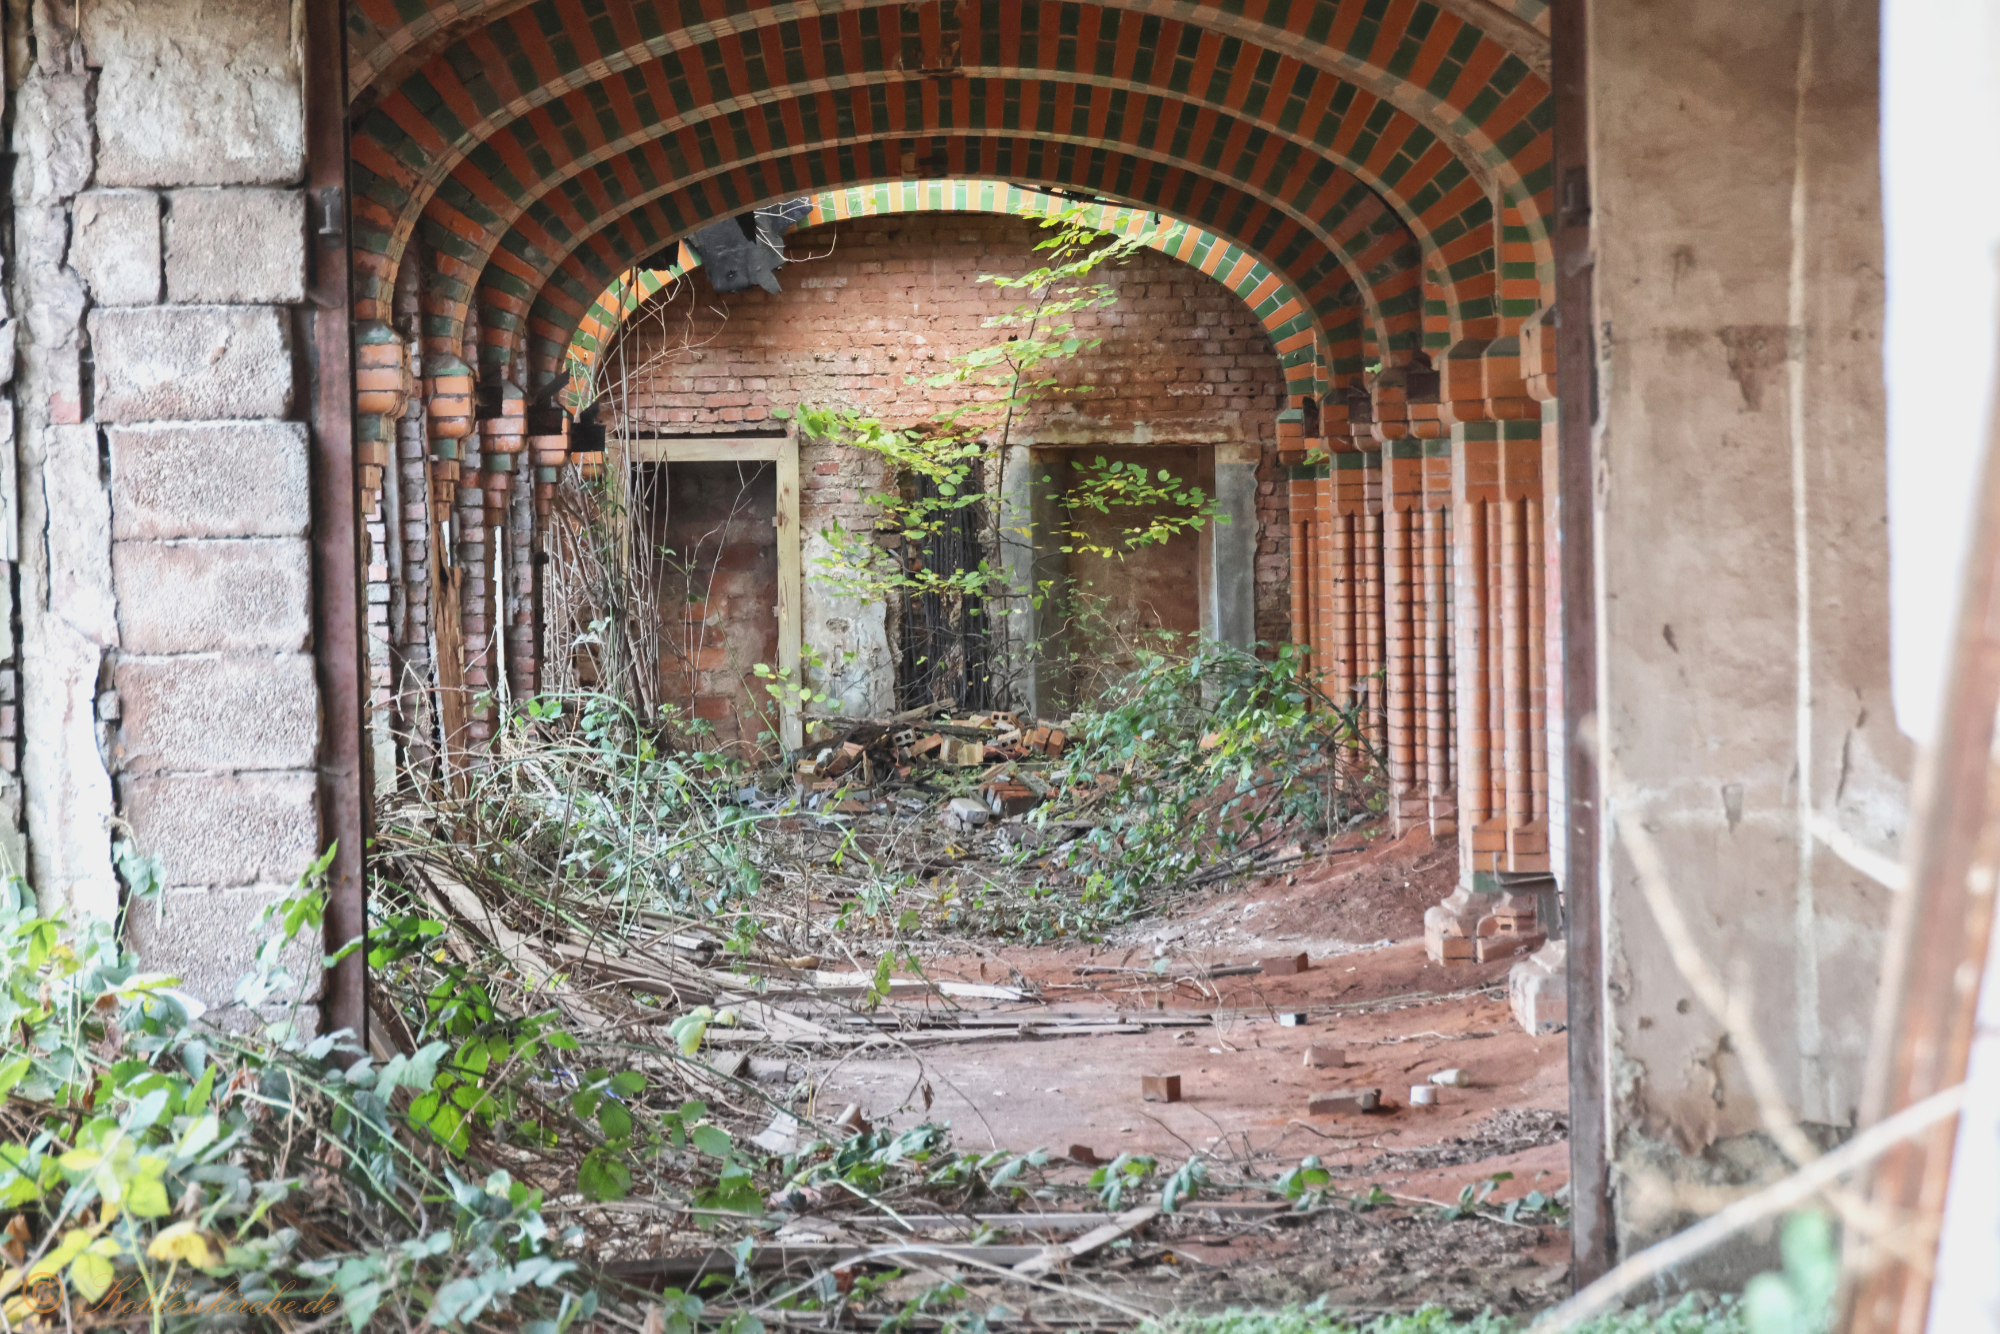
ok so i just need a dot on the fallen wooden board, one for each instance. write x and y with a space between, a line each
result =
513 946
824 982
893 1018
1055 1257
805 1255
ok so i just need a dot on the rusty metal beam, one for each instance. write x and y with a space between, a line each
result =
339 591
1925 1017
1591 1237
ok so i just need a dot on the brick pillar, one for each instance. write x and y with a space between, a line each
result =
1348 518
382 392
1402 596
503 439
1500 687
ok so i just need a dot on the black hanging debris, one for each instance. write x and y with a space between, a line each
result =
747 249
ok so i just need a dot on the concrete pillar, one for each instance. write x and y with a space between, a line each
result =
1232 548
1742 601
1015 616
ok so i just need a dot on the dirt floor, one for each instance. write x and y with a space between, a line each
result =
1369 999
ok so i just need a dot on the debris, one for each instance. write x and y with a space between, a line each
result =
1292 1018
1008 797
1084 1154
780 1137
1094 1240
1344 1100
852 1121
1160 1088
1453 1078
1286 966
1326 1058
1422 1095
963 814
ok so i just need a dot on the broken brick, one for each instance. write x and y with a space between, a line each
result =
1354 1100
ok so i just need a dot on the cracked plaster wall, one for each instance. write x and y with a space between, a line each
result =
1742 573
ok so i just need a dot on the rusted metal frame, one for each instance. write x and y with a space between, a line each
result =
1591 1235
339 577
1926 1014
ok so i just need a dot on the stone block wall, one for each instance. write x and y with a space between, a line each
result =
158 505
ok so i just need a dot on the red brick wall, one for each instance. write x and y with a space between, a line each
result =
872 302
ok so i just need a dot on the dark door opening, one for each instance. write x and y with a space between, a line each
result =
714 542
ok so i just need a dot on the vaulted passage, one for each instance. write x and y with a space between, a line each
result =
1336 329
386 369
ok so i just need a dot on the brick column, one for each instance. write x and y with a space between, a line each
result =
1496 444
382 392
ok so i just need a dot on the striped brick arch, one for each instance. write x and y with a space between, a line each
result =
1372 177
1438 120
543 254
1277 305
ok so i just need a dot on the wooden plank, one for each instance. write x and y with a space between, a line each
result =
705 449
1927 1011
791 588
1055 1257
1572 506
513 946
806 1255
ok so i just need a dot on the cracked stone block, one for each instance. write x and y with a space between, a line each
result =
224 829
196 92
218 711
210 479
213 596
191 363
245 247
115 247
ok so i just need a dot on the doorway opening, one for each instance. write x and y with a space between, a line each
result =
1110 600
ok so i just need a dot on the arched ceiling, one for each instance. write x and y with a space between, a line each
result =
1386 159
1276 304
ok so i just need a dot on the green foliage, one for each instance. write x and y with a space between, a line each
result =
1122 1175
1198 763
959 460
1306 1185
1797 1299
162 1168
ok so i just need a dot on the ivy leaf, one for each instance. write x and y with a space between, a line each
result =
602 1178
614 1120
91 1275
711 1140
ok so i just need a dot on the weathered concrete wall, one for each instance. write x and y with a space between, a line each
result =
167 687
1742 577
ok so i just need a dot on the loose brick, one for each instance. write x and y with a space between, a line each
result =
1160 1088
1286 965
211 479
1350 1101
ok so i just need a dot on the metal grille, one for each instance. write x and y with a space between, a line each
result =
946 640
